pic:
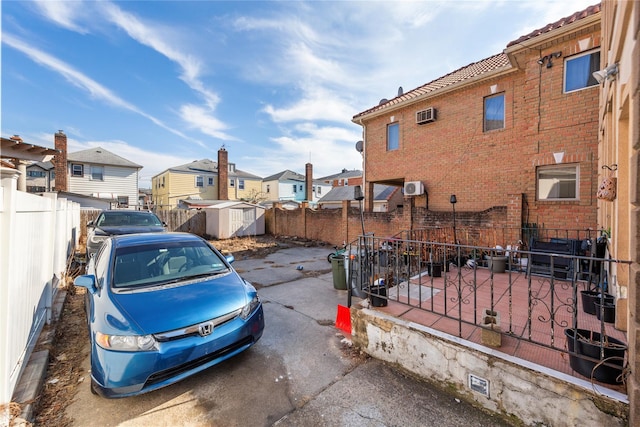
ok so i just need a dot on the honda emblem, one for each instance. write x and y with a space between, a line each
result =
205 329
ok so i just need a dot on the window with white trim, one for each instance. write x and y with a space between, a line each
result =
579 69
393 136
494 112
77 169
199 181
558 182
97 173
240 184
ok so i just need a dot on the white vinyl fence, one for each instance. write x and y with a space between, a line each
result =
38 234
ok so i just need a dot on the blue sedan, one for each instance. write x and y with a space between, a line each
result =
162 307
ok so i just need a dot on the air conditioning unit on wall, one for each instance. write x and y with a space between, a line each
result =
427 115
413 188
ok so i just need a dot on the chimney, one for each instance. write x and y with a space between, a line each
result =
308 180
223 174
60 161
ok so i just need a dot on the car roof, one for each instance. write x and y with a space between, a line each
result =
127 240
127 212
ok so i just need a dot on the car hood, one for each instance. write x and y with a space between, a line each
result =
129 229
165 309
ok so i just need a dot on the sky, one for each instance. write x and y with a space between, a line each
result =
276 83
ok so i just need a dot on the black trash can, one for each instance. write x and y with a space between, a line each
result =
378 295
339 273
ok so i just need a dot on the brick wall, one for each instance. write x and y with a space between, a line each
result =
453 155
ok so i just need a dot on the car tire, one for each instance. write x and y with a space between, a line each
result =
93 388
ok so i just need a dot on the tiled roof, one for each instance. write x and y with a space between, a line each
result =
479 68
591 10
475 69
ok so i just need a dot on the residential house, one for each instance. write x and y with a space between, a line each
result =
289 186
346 177
40 177
618 157
100 173
517 130
20 155
200 180
386 198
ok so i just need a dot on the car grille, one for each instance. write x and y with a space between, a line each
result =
172 372
195 329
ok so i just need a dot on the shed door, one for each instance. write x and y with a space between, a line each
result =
235 222
249 216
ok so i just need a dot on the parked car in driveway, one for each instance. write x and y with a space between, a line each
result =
113 222
162 307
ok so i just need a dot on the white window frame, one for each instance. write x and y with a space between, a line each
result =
97 173
199 182
485 120
240 184
77 169
591 81
210 181
558 181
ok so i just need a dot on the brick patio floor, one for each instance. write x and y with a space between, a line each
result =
517 324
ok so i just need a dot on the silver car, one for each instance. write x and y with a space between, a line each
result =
115 222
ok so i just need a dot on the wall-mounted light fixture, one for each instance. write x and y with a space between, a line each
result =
547 58
606 74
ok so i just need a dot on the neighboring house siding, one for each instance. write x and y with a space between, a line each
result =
285 189
182 185
252 188
274 190
120 181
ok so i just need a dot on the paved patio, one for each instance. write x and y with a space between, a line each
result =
537 335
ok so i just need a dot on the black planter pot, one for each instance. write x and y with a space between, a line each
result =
378 295
589 299
583 342
435 269
609 310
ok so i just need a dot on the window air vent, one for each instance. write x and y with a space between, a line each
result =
427 115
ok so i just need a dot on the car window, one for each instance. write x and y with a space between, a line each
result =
157 264
102 262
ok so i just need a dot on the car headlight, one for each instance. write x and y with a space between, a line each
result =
249 308
126 342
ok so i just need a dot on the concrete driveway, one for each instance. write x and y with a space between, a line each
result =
302 371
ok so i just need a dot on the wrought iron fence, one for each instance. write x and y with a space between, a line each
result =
553 292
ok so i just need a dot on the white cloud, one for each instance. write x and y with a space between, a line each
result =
202 119
64 13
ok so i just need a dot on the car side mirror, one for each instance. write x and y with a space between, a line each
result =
87 281
230 258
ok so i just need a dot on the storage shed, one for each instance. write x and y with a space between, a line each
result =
234 219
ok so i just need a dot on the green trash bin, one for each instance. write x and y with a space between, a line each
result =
339 274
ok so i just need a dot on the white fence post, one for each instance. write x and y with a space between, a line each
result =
39 235
8 187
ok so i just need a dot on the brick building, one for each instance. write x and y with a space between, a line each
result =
517 130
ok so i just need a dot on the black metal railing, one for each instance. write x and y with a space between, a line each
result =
538 294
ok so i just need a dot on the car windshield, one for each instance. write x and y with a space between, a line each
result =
127 218
157 264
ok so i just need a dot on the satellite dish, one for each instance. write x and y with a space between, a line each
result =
383 101
359 146
400 91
